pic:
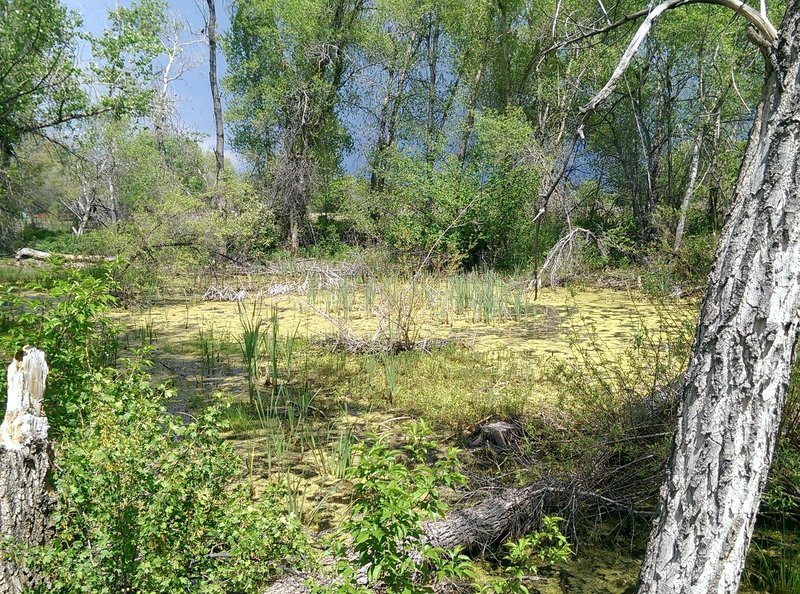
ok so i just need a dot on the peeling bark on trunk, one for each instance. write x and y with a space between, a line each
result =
739 372
25 503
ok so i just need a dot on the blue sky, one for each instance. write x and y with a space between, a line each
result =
195 111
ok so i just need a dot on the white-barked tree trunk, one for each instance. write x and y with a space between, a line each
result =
742 357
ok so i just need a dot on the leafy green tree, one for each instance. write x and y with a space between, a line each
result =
39 86
43 84
287 65
124 53
39 80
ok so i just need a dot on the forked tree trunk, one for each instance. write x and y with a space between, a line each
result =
25 502
742 356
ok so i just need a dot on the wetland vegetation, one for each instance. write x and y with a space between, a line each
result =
420 326
301 387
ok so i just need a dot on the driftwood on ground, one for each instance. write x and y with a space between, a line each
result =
31 254
25 460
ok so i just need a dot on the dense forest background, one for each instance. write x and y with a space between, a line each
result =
415 126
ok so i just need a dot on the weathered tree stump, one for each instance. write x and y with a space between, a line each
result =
25 460
499 433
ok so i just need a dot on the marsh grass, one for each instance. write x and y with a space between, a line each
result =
342 455
250 343
774 566
295 493
391 375
273 354
345 301
307 405
485 297
369 295
145 329
330 448
210 347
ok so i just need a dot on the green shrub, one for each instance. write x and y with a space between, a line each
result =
146 502
391 503
546 547
150 504
67 318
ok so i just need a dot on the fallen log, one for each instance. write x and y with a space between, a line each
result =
25 460
510 514
609 482
32 254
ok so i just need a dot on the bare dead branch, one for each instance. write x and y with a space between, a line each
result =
764 27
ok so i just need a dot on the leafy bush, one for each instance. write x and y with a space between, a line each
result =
480 215
150 504
391 503
70 324
146 502
49 240
622 408
548 545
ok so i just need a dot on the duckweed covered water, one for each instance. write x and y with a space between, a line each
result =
546 327
505 339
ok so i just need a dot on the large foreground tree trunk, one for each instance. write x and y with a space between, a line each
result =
742 356
25 501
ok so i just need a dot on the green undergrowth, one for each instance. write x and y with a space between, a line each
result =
247 424
146 501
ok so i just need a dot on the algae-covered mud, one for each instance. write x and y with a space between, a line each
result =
300 395
513 326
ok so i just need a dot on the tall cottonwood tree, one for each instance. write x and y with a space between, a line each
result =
287 64
738 375
211 35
